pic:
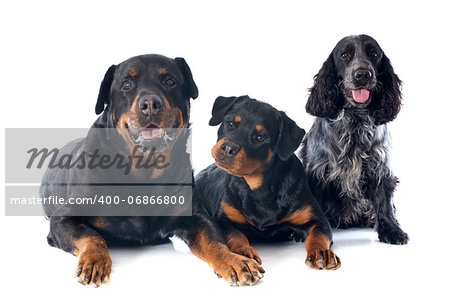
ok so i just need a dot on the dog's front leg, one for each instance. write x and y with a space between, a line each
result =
73 235
387 226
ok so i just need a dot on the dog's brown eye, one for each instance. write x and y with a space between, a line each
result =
170 82
374 54
260 138
126 85
345 56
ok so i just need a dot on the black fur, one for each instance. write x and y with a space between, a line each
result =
104 94
346 152
170 83
257 183
328 95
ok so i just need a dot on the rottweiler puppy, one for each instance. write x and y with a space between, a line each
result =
144 97
257 189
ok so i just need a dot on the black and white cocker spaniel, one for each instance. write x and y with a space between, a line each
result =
346 152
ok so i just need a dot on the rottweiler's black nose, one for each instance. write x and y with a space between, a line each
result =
228 150
362 75
150 104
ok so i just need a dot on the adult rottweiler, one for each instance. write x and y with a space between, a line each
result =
144 96
257 189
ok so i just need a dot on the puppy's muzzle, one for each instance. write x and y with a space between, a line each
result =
229 150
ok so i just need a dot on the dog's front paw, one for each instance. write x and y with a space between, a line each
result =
248 251
94 267
392 234
239 270
323 259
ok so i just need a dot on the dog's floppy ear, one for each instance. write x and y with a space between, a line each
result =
190 88
105 88
386 102
289 138
324 99
221 106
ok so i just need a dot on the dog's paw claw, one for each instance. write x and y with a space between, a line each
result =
323 259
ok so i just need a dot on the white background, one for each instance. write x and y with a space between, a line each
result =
54 56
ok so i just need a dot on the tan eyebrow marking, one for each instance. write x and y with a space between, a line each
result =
237 118
162 71
133 72
258 128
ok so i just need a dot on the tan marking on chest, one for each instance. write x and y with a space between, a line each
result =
299 217
254 181
234 214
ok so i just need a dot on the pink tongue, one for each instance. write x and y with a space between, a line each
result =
157 132
151 133
360 95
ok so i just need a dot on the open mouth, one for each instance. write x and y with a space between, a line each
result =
151 132
152 137
359 95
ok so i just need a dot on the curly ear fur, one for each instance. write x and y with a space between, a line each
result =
324 99
386 101
105 88
289 137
